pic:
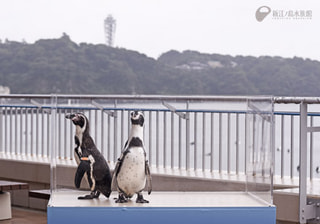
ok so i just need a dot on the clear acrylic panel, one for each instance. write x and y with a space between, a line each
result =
260 145
229 135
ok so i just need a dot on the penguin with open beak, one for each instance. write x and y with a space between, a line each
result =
132 171
89 159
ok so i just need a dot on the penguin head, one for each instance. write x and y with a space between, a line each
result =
78 119
137 118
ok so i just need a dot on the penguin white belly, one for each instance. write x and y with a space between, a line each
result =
131 177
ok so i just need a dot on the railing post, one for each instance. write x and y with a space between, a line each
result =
282 146
172 140
292 148
150 137
188 141
311 150
220 142
164 139
187 138
53 144
305 211
157 140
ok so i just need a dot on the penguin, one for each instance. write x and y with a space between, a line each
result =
89 159
132 173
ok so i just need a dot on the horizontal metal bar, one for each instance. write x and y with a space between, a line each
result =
174 110
151 109
100 107
34 102
297 100
313 129
277 100
23 105
129 109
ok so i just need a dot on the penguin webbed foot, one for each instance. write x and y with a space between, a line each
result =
95 194
92 195
140 199
86 197
121 199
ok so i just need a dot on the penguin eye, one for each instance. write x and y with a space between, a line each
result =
134 114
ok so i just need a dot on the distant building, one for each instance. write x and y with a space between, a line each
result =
109 30
4 90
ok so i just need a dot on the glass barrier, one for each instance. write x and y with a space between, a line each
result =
260 148
213 136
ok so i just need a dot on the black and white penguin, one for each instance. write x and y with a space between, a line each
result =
89 159
132 170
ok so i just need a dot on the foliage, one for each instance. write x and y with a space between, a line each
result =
62 66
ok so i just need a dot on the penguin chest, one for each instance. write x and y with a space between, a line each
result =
131 177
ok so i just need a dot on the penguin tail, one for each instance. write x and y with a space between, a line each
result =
105 190
106 193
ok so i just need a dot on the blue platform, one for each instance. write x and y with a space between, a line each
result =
164 208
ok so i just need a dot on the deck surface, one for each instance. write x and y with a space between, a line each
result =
161 199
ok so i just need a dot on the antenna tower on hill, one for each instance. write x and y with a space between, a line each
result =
109 30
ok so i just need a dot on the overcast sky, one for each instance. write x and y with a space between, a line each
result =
153 27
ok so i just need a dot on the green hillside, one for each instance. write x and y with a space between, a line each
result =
62 66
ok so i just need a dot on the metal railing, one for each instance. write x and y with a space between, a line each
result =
309 209
188 138
185 137
181 131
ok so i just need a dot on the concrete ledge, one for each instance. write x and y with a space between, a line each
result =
287 206
24 171
287 202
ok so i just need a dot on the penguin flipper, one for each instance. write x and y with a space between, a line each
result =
125 145
114 182
149 179
83 167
